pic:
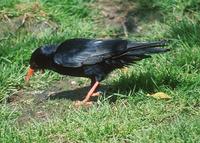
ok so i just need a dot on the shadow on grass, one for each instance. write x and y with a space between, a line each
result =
76 94
149 81
145 81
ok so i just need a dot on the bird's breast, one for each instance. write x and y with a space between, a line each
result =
71 71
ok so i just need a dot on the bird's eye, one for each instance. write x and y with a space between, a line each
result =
34 65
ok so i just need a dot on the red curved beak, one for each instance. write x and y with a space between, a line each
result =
29 74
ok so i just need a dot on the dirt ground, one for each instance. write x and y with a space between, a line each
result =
125 17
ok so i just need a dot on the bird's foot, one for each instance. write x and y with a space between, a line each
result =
83 103
99 93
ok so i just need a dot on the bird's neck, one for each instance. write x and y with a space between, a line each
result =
48 50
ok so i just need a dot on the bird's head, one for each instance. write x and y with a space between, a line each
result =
40 60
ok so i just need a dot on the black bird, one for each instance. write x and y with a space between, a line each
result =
91 58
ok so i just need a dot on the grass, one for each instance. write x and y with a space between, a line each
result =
133 117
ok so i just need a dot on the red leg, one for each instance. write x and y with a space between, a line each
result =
93 81
89 94
92 90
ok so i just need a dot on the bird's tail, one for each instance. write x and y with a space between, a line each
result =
138 51
146 47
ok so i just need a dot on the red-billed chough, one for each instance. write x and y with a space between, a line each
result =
91 58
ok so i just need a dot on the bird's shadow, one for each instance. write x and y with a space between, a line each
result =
76 94
145 81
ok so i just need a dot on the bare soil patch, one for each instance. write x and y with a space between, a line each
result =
31 18
125 16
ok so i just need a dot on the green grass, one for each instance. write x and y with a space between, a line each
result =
133 117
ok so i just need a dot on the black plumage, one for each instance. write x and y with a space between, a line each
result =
92 58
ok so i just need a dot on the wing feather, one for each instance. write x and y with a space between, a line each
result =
79 52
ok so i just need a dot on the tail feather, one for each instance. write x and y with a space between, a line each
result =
142 45
146 48
136 52
146 51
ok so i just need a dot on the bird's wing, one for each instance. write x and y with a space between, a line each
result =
79 52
